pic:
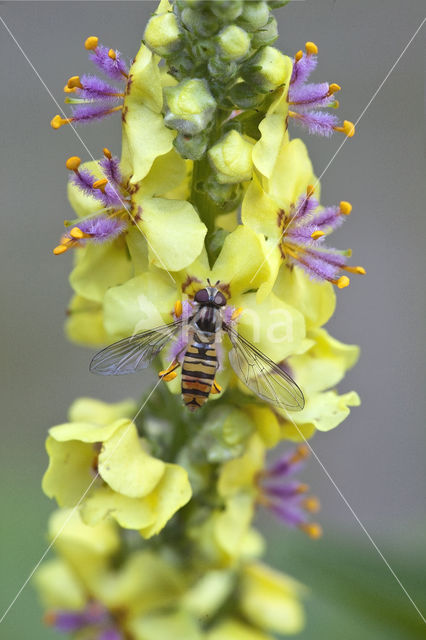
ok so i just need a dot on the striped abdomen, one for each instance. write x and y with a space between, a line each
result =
198 373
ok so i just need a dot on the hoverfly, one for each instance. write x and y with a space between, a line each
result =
204 329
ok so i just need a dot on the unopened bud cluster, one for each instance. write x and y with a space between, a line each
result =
221 56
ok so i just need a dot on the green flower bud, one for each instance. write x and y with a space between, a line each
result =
201 22
233 43
226 196
231 158
189 106
274 71
245 96
254 15
222 70
191 147
162 34
227 10
266 35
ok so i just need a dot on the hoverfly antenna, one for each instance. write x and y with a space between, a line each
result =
208 282
218 282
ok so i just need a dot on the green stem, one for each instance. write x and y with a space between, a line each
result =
207 209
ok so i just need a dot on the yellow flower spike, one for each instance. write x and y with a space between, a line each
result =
345 208
100 184
178 308
317 234
107 153
73 163
298 56
91 43
342 282
312 529
334 88
57 122
112 54
311 48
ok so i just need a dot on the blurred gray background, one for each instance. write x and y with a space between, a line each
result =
377 456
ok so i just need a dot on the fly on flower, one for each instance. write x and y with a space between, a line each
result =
195 335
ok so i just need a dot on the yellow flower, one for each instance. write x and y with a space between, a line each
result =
288 213
145 136
322 366
100 461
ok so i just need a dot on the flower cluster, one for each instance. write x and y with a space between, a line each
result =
154 532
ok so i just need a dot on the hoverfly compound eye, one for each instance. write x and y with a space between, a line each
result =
202 296
220 299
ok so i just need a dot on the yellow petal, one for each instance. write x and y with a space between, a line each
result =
239 474
267 424
126 467
101 413
245 261
274 327
87 432
159 626
324 364
100 266
84 324
144 582
130 513
172 492
58 587
235 630
143 124
166 174
174 232
316 300
233 524
294 163
142 303
73 537
269 600
68 475
323 411
209 593
259 211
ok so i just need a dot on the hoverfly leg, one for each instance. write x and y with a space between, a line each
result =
216 388
170 373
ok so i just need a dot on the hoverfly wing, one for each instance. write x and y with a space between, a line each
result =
135 352
263 376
